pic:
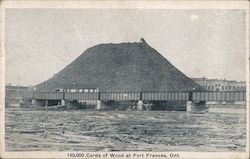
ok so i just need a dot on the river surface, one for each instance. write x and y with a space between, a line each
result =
80 130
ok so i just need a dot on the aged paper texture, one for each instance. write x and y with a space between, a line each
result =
124 79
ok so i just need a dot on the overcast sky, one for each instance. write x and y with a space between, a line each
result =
41 42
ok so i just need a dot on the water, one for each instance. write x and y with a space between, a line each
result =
79 130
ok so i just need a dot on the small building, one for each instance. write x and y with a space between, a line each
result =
221 84
77 88
14 91
13 94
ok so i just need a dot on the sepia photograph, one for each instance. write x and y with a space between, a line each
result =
124 79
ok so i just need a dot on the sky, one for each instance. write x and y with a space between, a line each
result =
41 42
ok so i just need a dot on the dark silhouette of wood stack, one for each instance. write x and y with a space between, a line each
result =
124 67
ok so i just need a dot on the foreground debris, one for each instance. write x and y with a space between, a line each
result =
77 130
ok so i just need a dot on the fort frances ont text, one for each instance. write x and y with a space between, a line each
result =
124 155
